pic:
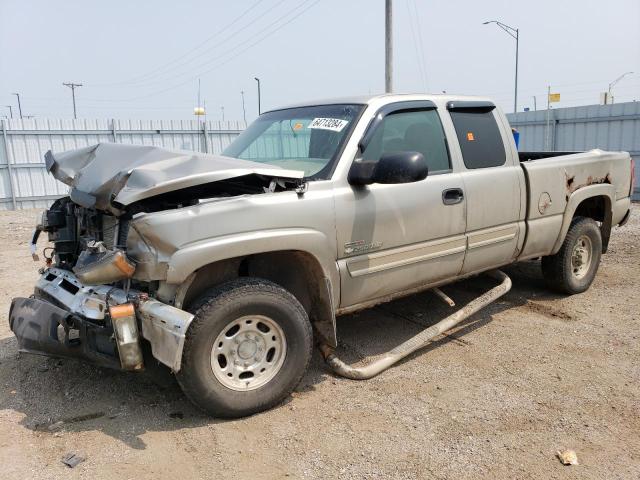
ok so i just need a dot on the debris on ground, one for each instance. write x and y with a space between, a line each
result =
72 459
567 457
54 427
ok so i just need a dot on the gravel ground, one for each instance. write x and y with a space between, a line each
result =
529 375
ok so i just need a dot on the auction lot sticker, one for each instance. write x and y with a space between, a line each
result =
333 124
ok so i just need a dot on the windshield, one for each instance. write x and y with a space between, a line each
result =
306 138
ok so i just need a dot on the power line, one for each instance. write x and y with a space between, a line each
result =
142 82
230 50
421 45
189 52
220 64
415 45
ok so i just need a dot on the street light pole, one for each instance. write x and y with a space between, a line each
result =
612 84
258 80
515 33
19 107
10 110
244 110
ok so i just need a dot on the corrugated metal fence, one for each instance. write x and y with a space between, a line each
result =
24 182
609 127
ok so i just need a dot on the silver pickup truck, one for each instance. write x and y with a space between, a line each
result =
227 268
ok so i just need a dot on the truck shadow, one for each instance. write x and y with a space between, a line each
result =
59 396
388 325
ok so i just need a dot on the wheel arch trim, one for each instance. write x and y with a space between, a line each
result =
607 191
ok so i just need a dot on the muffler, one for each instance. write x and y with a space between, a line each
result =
419 341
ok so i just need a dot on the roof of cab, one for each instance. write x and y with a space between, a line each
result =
386 97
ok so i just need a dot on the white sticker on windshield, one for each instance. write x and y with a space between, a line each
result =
333 124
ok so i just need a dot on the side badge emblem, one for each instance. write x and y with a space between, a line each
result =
359 246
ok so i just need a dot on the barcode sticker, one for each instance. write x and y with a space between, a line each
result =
333 124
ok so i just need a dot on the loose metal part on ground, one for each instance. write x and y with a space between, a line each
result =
445 298
421 340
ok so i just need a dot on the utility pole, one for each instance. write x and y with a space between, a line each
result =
10 110
73 87
244 111
535 105
19 107
258 80
388 46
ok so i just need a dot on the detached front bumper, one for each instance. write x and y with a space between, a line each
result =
66 318
44 328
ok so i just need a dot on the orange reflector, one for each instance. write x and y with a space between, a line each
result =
124 310
470 136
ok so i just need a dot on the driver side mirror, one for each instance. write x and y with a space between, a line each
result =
397 167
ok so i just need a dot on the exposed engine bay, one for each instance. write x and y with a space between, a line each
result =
88 302
93 243
80 235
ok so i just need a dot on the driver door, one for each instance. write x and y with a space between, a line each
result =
396 237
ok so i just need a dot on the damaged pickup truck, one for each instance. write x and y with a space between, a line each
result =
226 268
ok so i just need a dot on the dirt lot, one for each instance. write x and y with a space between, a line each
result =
497 398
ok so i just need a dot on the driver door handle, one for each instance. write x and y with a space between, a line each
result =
452 196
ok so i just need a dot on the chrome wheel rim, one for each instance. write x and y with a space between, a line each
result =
581 257
248 353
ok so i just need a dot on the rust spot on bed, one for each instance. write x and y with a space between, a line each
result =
572 187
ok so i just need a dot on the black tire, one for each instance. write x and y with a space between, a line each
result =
558 270
214 312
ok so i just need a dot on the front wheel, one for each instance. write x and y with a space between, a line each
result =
246 349
574 267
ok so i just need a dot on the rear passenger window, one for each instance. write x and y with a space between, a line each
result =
479 138
411 131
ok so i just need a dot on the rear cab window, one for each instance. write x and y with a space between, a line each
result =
478 134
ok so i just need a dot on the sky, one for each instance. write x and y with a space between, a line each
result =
143 59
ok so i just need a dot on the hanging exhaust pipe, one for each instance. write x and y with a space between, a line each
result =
419 341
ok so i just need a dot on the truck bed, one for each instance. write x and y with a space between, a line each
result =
530 156
553 178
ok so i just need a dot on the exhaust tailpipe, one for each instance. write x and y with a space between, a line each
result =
419 341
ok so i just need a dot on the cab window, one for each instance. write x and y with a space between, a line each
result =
479 138
411 131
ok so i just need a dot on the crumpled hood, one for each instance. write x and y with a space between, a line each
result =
126 174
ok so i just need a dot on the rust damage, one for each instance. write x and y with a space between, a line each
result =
572 187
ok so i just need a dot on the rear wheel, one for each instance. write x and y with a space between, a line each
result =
574 267
247 348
